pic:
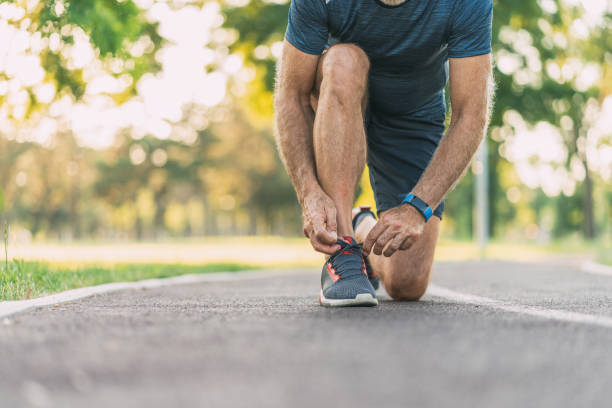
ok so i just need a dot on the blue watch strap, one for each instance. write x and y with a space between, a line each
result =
420 205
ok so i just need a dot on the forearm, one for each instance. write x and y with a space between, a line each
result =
451 158
294 120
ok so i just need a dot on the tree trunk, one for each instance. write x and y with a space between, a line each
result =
589 217
252 220
75 216
160 210
210 223
138 228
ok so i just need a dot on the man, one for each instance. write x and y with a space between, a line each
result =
367 77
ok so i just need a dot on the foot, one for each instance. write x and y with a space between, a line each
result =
344 280
358 215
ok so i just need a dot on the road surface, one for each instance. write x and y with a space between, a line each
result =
489 334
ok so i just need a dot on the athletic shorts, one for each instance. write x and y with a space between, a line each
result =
399 149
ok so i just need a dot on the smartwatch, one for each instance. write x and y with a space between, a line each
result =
420 205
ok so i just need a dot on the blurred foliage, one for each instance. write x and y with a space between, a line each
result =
218 171
546 98
111 26
206 187
108 23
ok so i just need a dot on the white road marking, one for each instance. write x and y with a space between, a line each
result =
596 268
11 307
8 308
549 314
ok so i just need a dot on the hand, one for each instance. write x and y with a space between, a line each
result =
319 221
397 229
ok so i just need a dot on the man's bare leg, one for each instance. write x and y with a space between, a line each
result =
405 274
339 136
339 100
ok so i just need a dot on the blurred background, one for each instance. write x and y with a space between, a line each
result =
141 130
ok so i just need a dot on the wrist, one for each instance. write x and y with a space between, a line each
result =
308 189
416 214
419 205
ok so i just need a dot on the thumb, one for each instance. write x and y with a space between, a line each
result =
320 231
331 222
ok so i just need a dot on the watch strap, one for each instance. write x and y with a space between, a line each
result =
420 205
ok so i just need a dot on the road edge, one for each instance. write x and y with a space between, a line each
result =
596 268
13 307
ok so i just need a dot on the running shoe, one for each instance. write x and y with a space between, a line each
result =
344 280
359 214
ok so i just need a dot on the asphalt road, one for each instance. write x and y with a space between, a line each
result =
265 342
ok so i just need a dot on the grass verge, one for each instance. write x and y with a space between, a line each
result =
605 257
30 279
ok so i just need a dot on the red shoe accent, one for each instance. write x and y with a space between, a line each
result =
332 273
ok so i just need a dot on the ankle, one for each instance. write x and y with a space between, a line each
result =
364 227
345 227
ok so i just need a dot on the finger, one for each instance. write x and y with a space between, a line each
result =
382 241
331 222
375 232
394 245
412 237
322 235
408 242
325 249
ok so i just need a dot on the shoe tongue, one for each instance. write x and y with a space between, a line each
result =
348 240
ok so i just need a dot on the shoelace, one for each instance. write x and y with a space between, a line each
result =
345 266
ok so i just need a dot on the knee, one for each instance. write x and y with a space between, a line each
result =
345 71
409 287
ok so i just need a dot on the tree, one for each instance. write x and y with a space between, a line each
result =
54 48
56 39
551 68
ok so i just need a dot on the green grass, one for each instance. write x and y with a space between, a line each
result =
24 279
605 257
599 250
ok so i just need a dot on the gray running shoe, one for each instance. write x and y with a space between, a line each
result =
344 280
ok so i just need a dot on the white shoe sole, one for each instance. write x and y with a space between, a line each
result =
363 299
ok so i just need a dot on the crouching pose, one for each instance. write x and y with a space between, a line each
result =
363 80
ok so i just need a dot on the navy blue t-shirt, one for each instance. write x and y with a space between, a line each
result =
408 44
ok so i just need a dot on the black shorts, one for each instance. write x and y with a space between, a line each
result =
399 149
